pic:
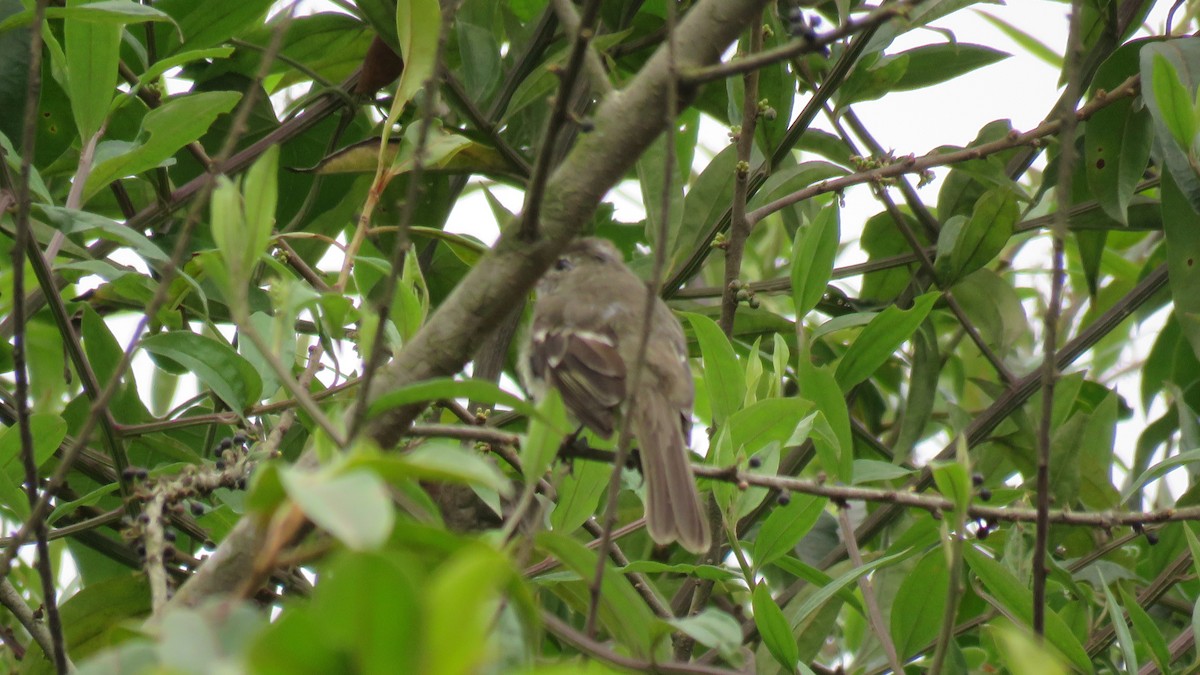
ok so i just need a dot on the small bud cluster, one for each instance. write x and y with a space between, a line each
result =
743 293
765 110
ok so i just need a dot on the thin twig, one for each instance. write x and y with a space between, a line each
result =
874 616
1049 371
11 599
299 392
968 326
531 211
229 417
837 75
918 248
21 243
739 228
571 22
913 164
401 245
154 214
803 45
954 589
529 227
599 650
169 270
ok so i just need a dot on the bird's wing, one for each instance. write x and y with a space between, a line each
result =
586 369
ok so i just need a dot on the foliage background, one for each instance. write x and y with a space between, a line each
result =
308 510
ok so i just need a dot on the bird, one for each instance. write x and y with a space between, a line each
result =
584 340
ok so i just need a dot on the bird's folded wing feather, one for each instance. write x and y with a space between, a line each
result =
587 370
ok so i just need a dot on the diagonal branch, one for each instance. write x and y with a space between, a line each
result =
625 123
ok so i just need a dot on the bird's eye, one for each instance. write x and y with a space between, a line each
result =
563 264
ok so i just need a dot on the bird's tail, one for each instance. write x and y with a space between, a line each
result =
674 511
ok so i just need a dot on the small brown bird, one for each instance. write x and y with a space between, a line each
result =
587 325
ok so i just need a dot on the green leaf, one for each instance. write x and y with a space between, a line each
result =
418 24
919 604
227 373
438 460
1028 42
208 23
1173 101
922 392
873 77
871 470
97 616
460 611
723 378
813 253
93 51
1096 459
965 245
1012 595
995 306
72 221
280 342
368 605
880 339
774 419
793 178
1117 617
115 12
1147 631
543 441
449 388
261 195
14 67
161 66
164 131
707 198
1023 653
411 303
816 600
937 63
578 494
784 528
1160 469
714 629
651 171
1181 226
622 611
710 572
1193 544
836 452
1166 69
90 499
48 432
354 506
1117 139
774 628
797 568
954 483
229 232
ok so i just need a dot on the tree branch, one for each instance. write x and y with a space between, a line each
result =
625 123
